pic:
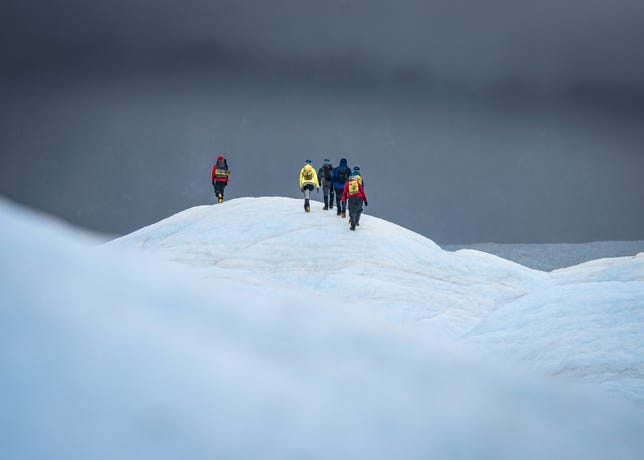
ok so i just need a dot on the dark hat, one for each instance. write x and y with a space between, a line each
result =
308 162
356 169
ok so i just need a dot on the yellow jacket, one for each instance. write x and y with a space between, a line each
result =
309 171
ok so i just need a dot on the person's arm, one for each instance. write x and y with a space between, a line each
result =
362 194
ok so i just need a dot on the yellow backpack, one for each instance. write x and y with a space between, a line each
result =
307 173
353 186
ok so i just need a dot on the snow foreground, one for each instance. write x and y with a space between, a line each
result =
281 334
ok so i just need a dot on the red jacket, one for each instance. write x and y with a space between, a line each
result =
220 175
346 193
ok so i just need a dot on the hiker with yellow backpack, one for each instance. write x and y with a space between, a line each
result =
356 172
308 181
354 192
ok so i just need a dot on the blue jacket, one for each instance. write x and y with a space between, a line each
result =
338 183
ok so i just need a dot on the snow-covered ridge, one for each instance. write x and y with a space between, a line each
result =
229 348
381 264
559 322
552 256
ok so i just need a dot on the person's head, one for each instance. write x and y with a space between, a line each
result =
327 161
343 162
220 158
308 162
356 169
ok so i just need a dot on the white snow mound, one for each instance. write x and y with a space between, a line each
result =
239 352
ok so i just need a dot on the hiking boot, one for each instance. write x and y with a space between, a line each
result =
339 212
344 214
325 208
352 228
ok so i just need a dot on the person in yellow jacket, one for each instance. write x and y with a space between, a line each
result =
308 181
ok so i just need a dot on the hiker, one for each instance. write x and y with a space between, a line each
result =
308 181
339 179
220 174
355 194
325 174
356 171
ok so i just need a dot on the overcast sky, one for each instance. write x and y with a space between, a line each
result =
506 121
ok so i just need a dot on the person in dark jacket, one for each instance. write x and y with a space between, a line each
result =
220 174
354 192
325 176
339 178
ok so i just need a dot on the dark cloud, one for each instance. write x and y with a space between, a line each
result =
546 43
473 121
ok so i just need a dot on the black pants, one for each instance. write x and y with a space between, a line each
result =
355 209
219 188
338 200
327 192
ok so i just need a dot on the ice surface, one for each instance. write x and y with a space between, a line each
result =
552 256
254 330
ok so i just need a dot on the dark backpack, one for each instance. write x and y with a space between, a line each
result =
327 170
343 174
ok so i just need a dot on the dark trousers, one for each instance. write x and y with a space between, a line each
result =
219 188
342 207
355 209
327 192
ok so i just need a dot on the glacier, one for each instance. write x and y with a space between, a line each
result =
253 330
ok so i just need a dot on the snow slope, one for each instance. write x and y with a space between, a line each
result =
558 322
269 333
551 256
383 265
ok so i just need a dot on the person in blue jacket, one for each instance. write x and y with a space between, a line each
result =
339 178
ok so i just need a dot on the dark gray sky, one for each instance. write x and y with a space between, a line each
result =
505 121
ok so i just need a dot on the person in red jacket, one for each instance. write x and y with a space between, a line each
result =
220 174
354 192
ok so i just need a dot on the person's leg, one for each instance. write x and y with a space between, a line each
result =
353 211
219 191
338 200
331 189
307 196
325 193
358 212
